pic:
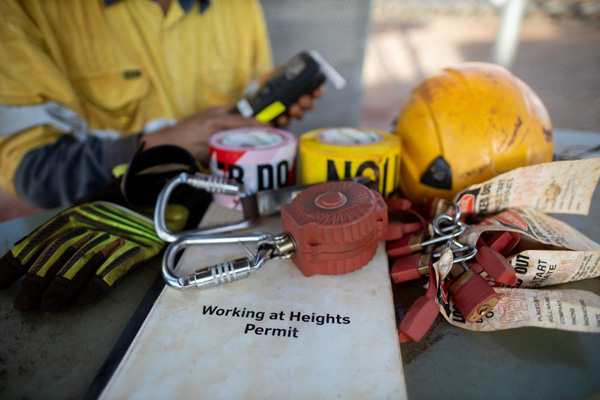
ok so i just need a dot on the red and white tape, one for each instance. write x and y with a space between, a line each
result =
259 158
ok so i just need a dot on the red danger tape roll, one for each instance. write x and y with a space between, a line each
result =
259 158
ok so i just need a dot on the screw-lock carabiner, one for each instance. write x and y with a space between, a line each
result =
220 273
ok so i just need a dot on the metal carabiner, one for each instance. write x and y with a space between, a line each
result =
264 203
212 184
268 247
220 273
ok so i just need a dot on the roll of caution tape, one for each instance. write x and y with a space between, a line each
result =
259 158
340 153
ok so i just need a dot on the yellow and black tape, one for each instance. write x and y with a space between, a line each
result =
340 153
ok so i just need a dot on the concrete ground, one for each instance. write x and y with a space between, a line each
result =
558 56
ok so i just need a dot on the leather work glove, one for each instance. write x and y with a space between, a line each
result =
78 255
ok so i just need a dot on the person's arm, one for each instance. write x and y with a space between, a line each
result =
62 172
192 133
45 146
30 77
68 169
48 154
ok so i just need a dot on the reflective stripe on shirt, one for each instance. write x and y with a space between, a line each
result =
15 119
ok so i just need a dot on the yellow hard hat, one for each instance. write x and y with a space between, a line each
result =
467 124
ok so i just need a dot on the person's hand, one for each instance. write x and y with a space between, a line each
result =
78 255
298 110
192 133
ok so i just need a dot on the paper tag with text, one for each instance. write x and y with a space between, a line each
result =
564 187
567 309
534 224
538 268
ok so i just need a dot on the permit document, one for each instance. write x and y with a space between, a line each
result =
276 334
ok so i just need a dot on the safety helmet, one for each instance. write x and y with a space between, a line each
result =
467 124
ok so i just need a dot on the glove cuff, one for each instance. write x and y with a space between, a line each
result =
150 170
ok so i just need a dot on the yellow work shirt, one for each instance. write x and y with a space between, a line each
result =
120 69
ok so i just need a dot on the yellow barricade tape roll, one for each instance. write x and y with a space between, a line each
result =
340 153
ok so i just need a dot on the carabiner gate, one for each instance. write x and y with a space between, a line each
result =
211 184
218 274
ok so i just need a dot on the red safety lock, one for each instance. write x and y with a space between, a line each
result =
491 257
396 229
495 265
415 242
402 219
410 268
504 242
433 207
335 226
398 204
406 245
421 315
472 295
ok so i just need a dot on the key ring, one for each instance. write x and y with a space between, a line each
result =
469 252
454 223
